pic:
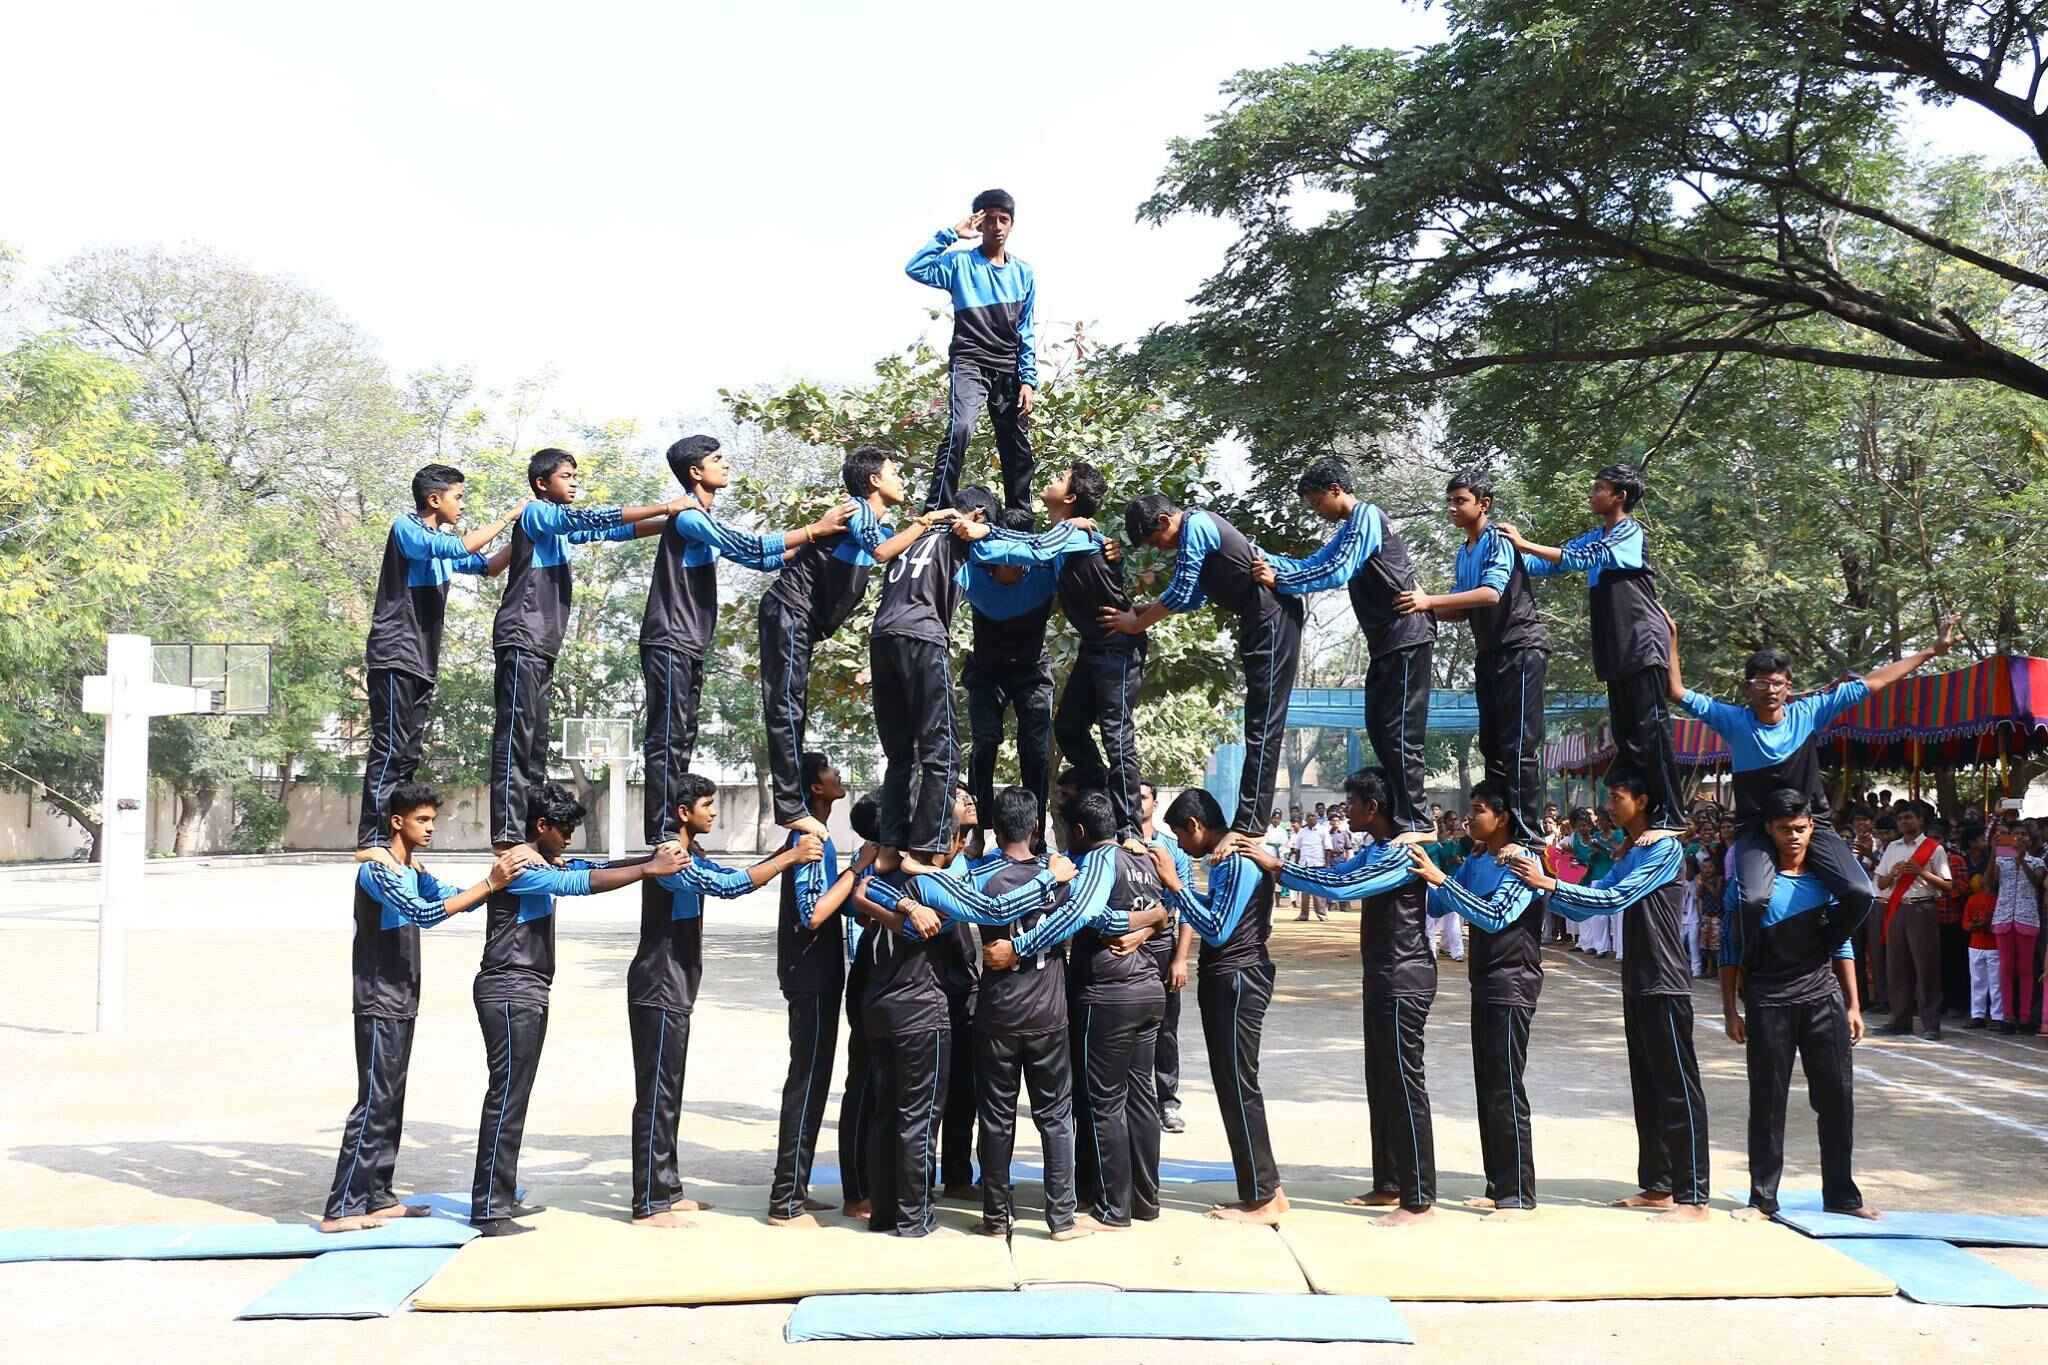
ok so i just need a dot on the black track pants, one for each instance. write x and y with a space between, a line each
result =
1670 1107
675 686
1509 691
661 1055
399 702
1233 1006
1118 1124
1397 1096
369 1139
1270 652
913 695
785 701
1500 1053
1027 690
1639 707
1041 1062
1101 697
903 1136
1818 1031
1397 722
513 1036
813 1043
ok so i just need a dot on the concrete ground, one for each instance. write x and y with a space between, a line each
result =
224 1100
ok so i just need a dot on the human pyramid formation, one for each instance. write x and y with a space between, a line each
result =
1070 989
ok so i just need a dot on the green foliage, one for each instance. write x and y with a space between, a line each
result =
794 438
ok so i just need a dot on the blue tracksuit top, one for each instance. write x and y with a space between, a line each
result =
995 307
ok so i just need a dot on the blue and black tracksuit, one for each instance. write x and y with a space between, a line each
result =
1369 559
1398 965
661 992
1007 670
403 658
810 966
511 994
1786 955
1103 685
676 633
994 351
392 905
1505 960
1512 659
1214 564
1767 757
1656 1013
820 584
1233 987
533 615
1631 649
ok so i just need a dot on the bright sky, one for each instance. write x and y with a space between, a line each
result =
650 201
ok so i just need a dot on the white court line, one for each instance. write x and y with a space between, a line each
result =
1891 1049
2039 1135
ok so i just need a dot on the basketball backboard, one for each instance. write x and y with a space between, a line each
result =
597 739
238 675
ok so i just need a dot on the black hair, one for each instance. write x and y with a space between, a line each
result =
1491 795
432 479
1142 514
1090 818
974 498
862 467
544 464
690 788
1147 784
809 769
1582 815
688 455
866 818
1196 804
1327 472
1786 803
995 199
1764 662
1087 487
1631 780
557 805
1367 786
1626 480
1019 519
1015 818
1474 481
408 797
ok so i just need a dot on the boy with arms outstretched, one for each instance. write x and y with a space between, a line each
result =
533 615
403 656
661 991
821 583
395 899
1369 560
681 619
512 987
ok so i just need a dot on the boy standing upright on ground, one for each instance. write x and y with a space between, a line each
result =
821 583
512 987
810 966
403 656
1213 562
1234 986
1399 986
533 615
1506 968
1629 638
1645 889
993 360
1796 974
395 899
681 619
1163 946
661 991
1491 590
1368 558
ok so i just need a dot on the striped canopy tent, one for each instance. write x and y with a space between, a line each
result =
1587 755
1991 710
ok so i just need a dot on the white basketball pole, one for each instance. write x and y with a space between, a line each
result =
127 697
616 807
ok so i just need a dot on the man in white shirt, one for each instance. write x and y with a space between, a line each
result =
1912 878
1312 849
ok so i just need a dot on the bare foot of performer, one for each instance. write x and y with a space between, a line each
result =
1266 1213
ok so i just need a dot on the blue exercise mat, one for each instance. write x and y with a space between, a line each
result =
1937 1273
1801 1209
454 1205
1050 1314
220 1241
351 1284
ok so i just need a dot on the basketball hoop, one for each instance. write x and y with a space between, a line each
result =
607 740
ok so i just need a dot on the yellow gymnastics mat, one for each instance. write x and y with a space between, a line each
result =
1181 1250
1571 1250
578 1260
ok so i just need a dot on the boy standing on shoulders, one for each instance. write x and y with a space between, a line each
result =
993 361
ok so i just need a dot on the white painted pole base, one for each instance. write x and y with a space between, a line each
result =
616 808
